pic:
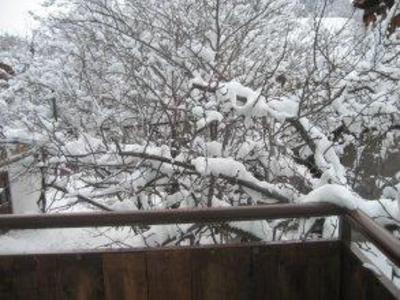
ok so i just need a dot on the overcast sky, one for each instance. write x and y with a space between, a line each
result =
14 17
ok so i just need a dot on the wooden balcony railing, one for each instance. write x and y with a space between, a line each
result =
350 261
172 216
383 240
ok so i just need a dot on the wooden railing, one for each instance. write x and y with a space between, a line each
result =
383 240
375 233
172 216
338 265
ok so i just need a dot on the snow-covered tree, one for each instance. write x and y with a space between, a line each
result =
128 104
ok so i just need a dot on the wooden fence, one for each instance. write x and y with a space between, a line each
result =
331 269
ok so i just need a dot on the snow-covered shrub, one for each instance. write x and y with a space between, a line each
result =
129 104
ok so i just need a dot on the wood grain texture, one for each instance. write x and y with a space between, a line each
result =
70 277
18 278
221 275
298 270
169 274
125 276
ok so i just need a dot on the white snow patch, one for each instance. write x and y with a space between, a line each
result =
210 116
333 193
214 149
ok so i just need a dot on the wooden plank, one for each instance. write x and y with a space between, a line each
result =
308 270
265 262
323 275
18 278
345 231
70 277
48 276
298 271
169 275
125 276
219 274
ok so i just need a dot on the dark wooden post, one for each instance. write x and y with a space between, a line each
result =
344 230
5 194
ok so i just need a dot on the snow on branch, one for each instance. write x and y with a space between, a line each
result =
224 168
284 109
386 211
